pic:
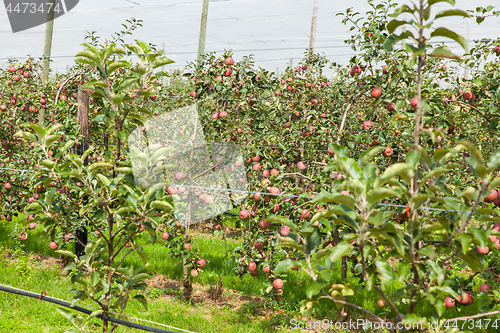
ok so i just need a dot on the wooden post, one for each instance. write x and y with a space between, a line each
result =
83 121
203 29
466 69
313 25
47 49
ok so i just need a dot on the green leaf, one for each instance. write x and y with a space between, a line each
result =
452 12
162 61
123 135
443 32
40 131
378 194
412 158
92 57
473 150
161 205
432 2
403 9
481 235
444 52
286 265
117 64
341 249
369 154
313 241
98 165
66 253
95 313
314 288
385 271
47 163
104 180
336 198
134 48
473 261
142 300
394 24
494 160
340 151
395 170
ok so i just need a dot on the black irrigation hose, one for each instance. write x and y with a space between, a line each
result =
86 311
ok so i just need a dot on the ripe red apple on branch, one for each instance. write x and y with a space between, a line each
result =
376 92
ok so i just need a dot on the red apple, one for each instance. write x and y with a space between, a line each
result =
449 302
266 173
388 152
32 225
468 95
275 173
258 245
465 298
380 303
285 231
223 114
53 245
414 102
266 269
252 266
228 72
188 246
7 186
483 250
376 92
355 70
264 225
301 166
256 167
275 191
491 197
244 214
180 176
201 263
367 124
254 273
21 236
278 283
229 61
164 236
390 107
484 287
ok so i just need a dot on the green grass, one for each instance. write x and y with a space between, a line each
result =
22 314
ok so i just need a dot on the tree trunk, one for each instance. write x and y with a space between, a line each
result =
186 282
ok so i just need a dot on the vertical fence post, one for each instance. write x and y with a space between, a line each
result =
312 37
203 29
47 49
83 121
466 69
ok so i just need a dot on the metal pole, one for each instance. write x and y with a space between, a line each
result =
313 24
203 29
83 121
